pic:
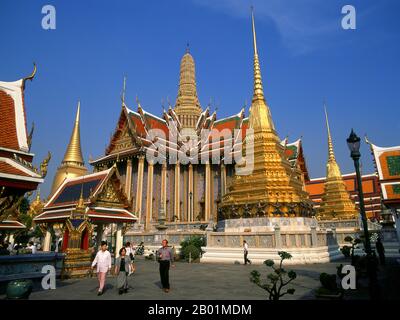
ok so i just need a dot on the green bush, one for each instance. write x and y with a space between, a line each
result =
193 246
192 252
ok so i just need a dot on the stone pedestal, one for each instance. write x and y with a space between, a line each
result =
77 263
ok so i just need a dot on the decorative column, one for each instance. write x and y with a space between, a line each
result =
139 189
195 199
190 194
177 191
47 241
207 192
185 213
128 179
118 239
164 186
223 179
149 204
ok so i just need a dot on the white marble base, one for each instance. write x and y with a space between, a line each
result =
259 255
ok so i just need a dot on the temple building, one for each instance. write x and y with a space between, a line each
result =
387 165
336 203
80 206
194 148
18 176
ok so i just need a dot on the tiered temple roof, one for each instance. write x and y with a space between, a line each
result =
102 196
17 173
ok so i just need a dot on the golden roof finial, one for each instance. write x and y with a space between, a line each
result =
74 152
81 201
38 195
258 87
331 154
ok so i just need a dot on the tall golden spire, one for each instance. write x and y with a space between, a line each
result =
72 165
187 105
331 155
260 114
336 203
272 181
258 93
74 152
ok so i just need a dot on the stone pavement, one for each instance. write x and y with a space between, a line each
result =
199 281
189 281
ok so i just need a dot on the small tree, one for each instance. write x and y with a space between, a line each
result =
276 280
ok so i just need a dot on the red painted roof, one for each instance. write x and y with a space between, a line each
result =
8 129
9 169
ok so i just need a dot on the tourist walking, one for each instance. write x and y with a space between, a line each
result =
122 266
381 251
246 252
165 258
130 252
103 263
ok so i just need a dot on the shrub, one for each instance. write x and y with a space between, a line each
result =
192 245
191 251
276 280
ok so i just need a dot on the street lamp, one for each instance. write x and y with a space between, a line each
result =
353 142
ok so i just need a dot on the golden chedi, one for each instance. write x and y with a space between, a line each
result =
72 164
273 187
336 203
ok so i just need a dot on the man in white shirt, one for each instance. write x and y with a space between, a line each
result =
246 252
103 262
32 247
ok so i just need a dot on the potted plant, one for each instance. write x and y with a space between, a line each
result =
19 289
329 288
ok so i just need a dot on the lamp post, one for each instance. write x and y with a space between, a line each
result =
353 142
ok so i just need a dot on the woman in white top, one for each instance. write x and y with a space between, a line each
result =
103 262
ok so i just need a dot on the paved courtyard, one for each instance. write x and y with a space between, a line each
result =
200 281
188 281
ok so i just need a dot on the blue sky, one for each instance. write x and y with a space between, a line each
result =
305 56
